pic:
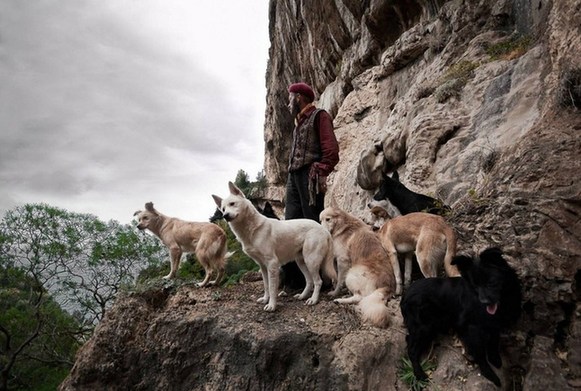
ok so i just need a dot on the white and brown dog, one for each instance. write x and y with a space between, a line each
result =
206 240
272 243
428 236
362 265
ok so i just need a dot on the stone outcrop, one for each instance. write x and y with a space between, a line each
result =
474 102
221 339
488 131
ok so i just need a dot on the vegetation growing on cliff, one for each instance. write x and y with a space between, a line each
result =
60 272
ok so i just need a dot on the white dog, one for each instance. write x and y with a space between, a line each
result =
271 243
206 240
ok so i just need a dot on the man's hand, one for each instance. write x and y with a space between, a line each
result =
322 184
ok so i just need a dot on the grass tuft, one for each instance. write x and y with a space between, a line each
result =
509 49
406 374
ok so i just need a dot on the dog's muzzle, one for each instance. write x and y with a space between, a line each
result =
228 217
140 227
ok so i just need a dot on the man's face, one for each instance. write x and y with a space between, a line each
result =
293 104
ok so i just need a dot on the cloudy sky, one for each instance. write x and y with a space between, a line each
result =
108 104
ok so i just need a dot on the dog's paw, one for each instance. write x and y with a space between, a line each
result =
311 301
282 294
167 277
269 307
263 300
300 296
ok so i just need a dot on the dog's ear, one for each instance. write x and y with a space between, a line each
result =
493 256
463 263
234 190
379 212
136 212
149 207
217 200
333 203
395 176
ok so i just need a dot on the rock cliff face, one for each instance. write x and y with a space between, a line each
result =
475 102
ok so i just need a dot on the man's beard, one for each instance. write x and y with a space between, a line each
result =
294 108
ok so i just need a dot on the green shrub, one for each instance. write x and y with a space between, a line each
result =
406 374
463 70
449 89
451 84
509 49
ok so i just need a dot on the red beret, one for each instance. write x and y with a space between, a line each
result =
303 89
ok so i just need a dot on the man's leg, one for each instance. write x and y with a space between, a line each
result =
312 212
293 208
292 277
302 189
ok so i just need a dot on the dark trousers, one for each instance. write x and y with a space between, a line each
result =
297 207
297 197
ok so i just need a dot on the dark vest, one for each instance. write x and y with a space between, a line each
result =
306 147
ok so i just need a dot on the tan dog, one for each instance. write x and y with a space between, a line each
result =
428 235
206 240
380 216
362 265
272 243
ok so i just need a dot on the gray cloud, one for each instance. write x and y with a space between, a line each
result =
90 109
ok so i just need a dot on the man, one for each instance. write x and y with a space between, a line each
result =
314 155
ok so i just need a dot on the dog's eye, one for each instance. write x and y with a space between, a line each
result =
231 204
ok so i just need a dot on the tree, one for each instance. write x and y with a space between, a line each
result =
251 190
243 182
38 340
79 259
68 260
111 262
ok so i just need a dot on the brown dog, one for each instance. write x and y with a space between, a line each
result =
428 235
362 265
206 240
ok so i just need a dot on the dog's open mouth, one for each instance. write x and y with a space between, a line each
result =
491 308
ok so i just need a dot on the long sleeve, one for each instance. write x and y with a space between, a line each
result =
329 145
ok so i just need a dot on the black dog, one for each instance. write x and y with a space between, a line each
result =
406 200
477 306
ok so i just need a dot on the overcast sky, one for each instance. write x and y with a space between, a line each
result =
108 104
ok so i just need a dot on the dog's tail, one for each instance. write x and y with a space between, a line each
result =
451 270
373 309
